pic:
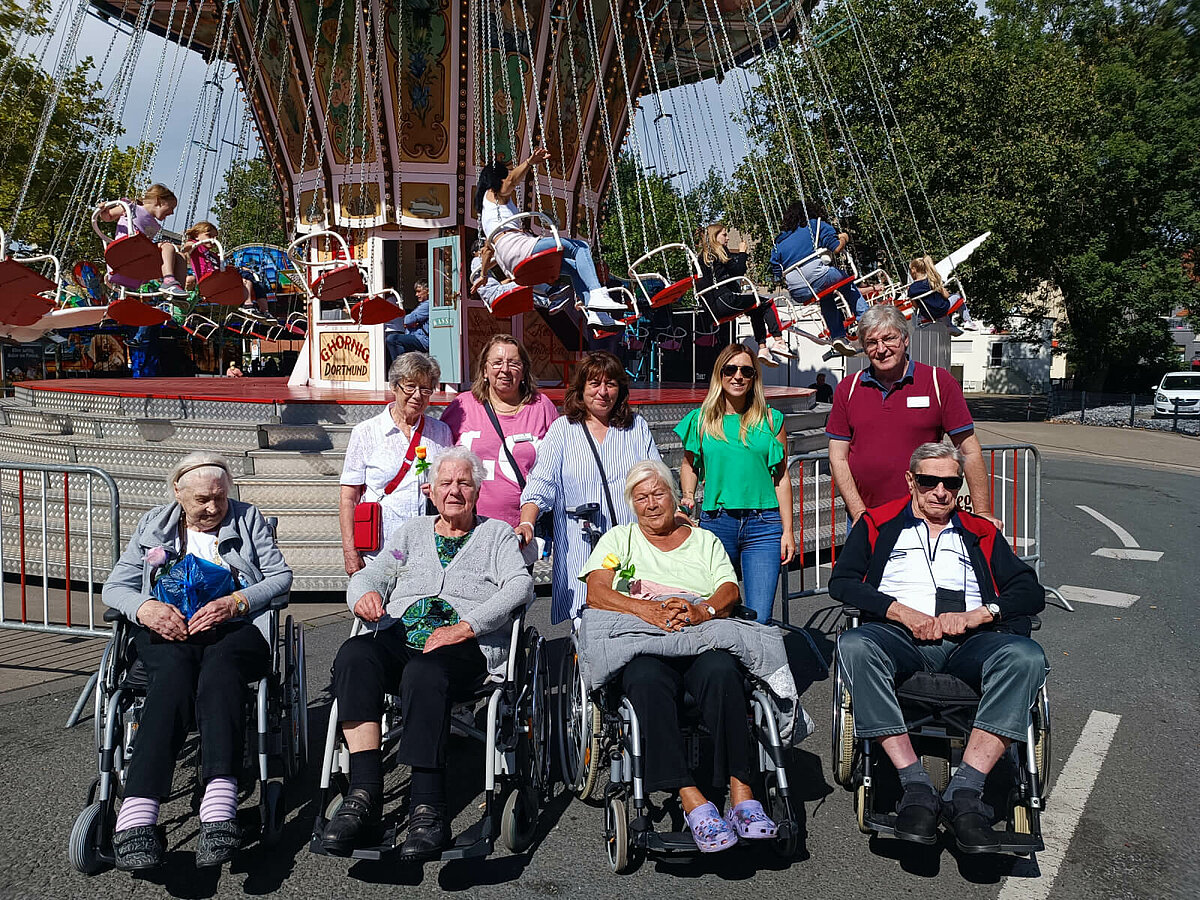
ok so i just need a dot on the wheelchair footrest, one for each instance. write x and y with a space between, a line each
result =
666 841
1022 844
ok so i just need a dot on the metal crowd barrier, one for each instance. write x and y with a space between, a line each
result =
819 515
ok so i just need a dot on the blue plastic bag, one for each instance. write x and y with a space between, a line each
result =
193 582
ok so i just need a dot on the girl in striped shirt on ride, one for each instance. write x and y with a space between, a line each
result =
737 444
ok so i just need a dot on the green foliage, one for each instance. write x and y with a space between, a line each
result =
249 208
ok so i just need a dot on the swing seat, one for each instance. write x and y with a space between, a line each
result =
339 283
707 338
17 280
137 313
297 324
825 292
540 268
672 292
956 306
513 303
200 327
23 310
375 311
223 287
134 256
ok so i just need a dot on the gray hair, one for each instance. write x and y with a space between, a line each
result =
881 316
204 462
935 450
414 367
461 455
645 470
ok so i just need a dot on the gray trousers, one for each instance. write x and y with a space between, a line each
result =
1008 670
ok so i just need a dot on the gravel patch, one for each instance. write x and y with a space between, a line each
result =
1118 417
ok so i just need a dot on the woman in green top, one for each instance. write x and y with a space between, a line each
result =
737 444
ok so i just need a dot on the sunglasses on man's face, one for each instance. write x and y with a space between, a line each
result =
730 371
929 482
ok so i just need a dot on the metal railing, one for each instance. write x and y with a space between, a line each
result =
81 554
820 526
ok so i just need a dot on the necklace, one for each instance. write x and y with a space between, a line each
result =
504 409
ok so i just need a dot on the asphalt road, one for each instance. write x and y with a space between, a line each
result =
1135 838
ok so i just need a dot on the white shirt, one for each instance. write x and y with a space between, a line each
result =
510 245
375 454
203 545
915 570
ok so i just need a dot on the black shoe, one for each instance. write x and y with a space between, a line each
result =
357 823
428 834
969 819
218 842
139 848
917 814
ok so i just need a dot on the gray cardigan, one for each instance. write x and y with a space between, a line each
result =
244 541
485 583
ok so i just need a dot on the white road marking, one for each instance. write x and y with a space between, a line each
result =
1122 535
1064 808
1129 553
1095 595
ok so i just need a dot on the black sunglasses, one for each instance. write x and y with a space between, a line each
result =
730 371
929 482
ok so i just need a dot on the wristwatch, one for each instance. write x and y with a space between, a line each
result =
241 607
994 609
711 611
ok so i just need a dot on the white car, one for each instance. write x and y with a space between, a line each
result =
1183 387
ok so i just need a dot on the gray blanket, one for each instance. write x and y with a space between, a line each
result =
609 640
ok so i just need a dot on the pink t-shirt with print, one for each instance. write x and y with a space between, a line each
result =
500 497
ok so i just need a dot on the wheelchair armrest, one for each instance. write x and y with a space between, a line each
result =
851 612
112 616
281 601
1035 623
741 611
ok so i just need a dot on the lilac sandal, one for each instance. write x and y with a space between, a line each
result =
710 832
750 821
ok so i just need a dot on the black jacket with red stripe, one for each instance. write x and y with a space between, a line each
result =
1003 578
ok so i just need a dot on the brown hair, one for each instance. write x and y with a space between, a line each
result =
709 248
527 387
596 365
712 410
201 229
160 192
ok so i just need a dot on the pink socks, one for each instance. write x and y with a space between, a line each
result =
220 800
137 811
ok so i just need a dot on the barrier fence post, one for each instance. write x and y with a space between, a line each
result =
1132 408
1175 414
1082 406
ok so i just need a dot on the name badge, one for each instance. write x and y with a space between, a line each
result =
918 402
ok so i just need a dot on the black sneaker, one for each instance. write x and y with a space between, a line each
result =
917 814
969 819
139 848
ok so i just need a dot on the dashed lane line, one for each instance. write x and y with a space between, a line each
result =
1064 809
1100 597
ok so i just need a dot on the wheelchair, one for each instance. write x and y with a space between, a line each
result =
516 737
599 731
939 710
275 746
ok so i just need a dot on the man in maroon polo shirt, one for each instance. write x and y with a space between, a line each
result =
882 414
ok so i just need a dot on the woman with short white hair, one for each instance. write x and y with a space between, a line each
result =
196 667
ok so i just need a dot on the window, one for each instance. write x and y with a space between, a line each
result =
996 354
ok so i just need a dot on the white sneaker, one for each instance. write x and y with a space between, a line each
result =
843 347
765 357
953 329
779 347
601 300
600 320
971 325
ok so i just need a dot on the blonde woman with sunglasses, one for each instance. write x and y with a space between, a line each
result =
736 444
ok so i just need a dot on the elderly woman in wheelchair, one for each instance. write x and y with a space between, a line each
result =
436 605
943 657
656 626
197 663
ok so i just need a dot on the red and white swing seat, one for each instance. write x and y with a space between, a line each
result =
335 280
543 267
672 290
132 256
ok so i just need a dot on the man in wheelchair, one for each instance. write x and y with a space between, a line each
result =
940 590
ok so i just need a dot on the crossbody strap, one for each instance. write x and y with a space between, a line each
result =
487 404
408 458
612 510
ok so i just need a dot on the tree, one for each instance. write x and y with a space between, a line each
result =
249 208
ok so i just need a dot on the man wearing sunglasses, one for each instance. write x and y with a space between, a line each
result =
940 590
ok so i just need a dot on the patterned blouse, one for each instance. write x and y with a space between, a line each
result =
425 615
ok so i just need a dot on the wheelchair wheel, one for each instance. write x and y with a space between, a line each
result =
860 809
781 811
295 700
1041 731
616 834
938 768
87 834
536 714
578 729
843 736
518 820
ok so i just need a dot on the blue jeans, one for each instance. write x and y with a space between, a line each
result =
829 308
751 538
398 342
577 261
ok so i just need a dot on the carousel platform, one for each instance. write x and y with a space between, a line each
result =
285 445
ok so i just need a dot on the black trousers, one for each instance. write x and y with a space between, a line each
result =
375 663
655 686
763 319
203 679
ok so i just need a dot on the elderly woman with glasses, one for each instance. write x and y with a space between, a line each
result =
435 604
386 455
739 443
197 668
503 420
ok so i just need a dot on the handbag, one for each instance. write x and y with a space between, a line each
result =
368 514
544 526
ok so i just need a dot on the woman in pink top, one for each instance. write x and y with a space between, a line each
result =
503 381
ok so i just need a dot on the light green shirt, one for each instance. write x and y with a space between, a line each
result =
736 475
699 565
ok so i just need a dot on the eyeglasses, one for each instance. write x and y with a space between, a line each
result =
892 340
730 371
409 389
499 365
929 482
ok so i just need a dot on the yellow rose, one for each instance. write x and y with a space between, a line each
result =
611 562
421 451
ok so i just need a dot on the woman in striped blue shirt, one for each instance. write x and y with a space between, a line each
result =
596 415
